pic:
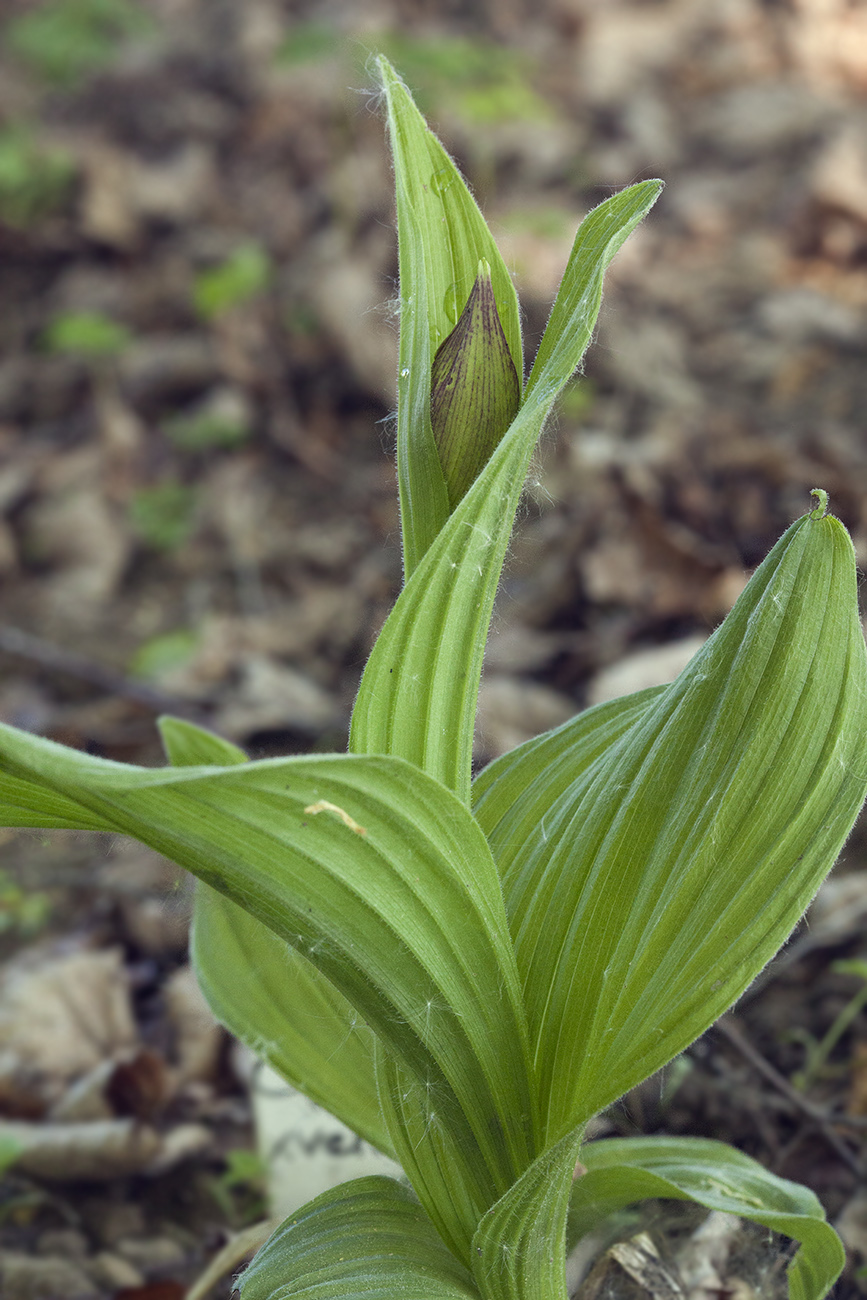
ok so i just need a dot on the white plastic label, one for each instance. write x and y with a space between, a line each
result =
306 1150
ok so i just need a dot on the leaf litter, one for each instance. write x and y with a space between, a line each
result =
197 515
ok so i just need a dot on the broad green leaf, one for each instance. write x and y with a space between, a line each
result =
26 803
275 1001
661 882
379 877
519 1250
366 1238
267 994
576 306
621 1171
512 795
442 236
420 688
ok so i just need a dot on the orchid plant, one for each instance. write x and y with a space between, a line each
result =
467 971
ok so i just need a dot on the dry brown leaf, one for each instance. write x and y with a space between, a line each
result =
61 1016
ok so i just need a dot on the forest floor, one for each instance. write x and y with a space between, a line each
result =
198 513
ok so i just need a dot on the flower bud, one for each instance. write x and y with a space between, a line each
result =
475 392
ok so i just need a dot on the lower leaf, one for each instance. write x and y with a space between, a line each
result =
367 1238
283 1009
621 1171
379 876
266 993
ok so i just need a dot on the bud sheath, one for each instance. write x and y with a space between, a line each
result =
474 389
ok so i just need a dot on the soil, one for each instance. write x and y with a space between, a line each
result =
197 497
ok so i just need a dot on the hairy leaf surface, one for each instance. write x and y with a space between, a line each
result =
367 1238
512 795
519 1246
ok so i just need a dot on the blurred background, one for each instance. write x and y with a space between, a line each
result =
198 346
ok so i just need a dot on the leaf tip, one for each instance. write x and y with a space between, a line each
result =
821 506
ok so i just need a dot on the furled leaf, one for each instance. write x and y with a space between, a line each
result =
576 306
519 1247
475 389
442 235
662 880
369 1238
621 1171
419 692
380 878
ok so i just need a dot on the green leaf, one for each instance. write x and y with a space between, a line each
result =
512 795
658 884
475 389
275 1001
442 235
429 1154
27 803
267 994
366 1238
519 1250
10 1150
87 334
621 1171
600 236
379 877
420 688
187 745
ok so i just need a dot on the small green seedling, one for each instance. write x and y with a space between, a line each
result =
90 335
34 178
163 516
65 41
164 654
242 276
466 971
22 912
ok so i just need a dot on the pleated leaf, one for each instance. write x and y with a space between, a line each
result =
26 803
442 236
519 1247
419 692
428 1153
369 1238
284 1010
659 883
622 1171
380 878
267 994
512 795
